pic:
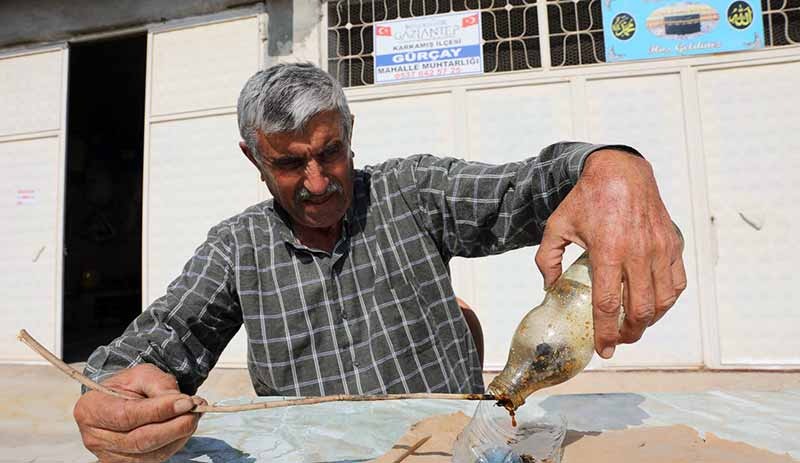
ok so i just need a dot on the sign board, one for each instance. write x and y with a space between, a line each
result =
635 29
26 196
445 45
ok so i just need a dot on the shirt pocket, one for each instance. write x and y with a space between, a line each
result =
404 316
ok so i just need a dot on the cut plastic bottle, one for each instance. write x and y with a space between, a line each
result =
490 438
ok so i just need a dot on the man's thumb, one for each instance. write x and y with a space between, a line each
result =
549 257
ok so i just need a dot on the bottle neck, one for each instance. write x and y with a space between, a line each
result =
507 392
579 271
539 355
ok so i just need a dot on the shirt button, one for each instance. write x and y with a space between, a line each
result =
355 364
344 314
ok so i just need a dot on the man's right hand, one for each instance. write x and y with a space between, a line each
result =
151 426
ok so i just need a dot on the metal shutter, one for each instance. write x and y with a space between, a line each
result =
195 175
33 92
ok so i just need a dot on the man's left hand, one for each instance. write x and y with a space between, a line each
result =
615 212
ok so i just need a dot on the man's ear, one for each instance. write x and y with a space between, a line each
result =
251 157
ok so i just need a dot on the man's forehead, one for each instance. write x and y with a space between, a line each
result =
298 142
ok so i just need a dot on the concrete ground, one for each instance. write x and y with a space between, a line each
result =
36 402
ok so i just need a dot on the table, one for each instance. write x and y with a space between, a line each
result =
360 431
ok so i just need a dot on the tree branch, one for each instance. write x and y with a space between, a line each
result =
76 375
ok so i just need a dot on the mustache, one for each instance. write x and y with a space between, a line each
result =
333 187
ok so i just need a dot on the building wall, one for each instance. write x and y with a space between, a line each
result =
689 116
671 111
36 21
717 128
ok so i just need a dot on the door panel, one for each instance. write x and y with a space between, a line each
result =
750 137
416 124
190 194
506 125
195 173
28 212
647 113
202 67
31 170
30 91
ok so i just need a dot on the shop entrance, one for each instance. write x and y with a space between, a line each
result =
103 214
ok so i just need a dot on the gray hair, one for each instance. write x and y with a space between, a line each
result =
284 97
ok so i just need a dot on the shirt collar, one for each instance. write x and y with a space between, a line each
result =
286 231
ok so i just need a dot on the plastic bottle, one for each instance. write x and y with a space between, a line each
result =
490 438
554 341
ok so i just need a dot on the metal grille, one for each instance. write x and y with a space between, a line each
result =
510 32
781 22
576 32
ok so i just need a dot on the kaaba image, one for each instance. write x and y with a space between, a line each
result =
684 24
682 19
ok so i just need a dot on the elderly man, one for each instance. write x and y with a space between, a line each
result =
342 280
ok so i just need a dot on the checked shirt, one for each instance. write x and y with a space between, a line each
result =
375 316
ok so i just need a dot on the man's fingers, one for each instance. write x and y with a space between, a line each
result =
663 287
148 428
198 401
125 415
678 276
156 382
152 441
678 283
606 284
145 439
640 308
157 456
146 380
550 254
154 437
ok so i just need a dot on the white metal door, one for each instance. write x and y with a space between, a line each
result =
33 95
415 124
504 123
750 122
508 124
195 175
646 112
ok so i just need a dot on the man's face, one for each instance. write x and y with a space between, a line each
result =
310 174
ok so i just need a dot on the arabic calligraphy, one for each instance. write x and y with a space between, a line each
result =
740 15
654 29
623 26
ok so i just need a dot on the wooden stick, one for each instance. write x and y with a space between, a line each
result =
76 375
409 451
71 372
337 398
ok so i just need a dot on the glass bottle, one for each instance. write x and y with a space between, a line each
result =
554 341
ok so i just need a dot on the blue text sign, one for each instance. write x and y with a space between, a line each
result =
636 29
445 45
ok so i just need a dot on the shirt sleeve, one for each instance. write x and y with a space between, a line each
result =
183 332
474 209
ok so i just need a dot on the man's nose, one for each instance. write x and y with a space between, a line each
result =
316 181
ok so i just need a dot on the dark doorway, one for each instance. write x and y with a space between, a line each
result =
103 216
